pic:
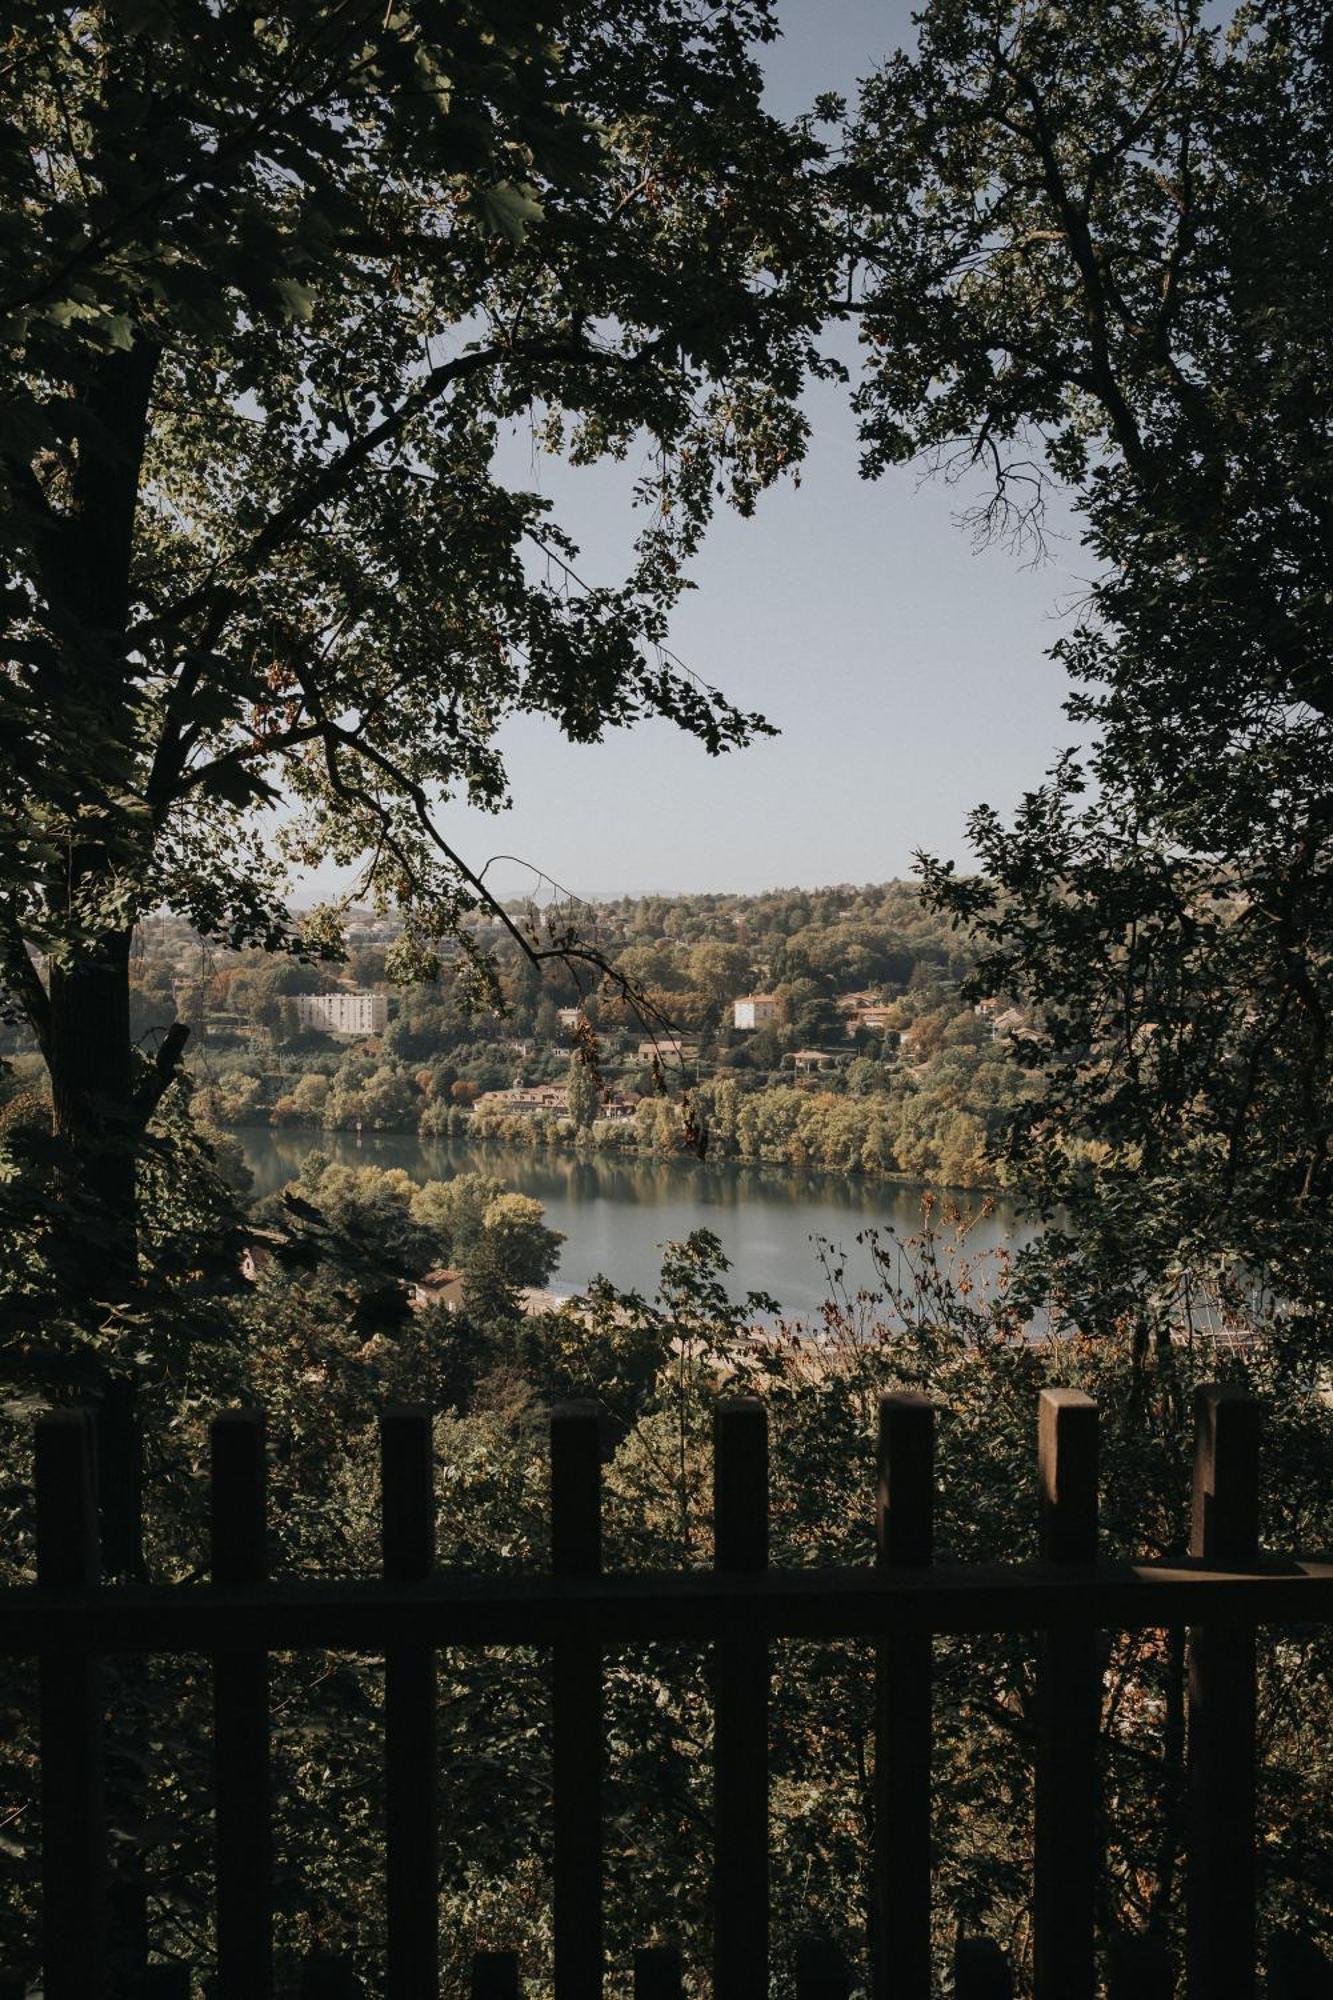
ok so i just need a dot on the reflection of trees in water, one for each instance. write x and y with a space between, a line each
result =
582 1179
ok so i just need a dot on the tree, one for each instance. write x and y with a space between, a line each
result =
1097 247
720 971
585 1099
514 1228
273 290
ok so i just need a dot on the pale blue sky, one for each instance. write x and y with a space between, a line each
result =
906 672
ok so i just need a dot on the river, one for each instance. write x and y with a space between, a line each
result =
615 1213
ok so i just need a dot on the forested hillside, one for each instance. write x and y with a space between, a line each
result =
871 1060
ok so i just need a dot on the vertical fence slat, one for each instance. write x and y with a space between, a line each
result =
495 1976
904 1535
740 1706
1140 1968
1066 1841
241 1779
74 1865
657 1972
411 1844
576 1550
1220 1951
981 1971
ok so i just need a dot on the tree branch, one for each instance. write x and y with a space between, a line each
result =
163 1071
22 978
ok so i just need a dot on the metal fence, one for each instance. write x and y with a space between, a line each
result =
1221 1591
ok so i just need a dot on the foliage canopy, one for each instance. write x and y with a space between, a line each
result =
274 288
1097 247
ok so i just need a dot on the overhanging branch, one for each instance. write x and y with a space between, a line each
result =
21 976
163 1071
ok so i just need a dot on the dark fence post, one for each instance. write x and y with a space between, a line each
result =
74 1866
1220 1952
981 1971
657 1974
241 1782
576 1550
1066 1842
411 1845
740 1711
904 1534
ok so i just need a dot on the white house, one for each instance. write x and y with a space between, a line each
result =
343 1013
754 1010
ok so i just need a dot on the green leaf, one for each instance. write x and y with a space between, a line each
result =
298 300
508 209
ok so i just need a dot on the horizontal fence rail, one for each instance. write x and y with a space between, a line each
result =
686 1605
1222 1591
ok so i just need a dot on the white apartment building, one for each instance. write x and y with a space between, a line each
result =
343 1013
754 1010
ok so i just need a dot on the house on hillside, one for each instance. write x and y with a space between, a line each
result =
527 1098
808 1062
569 1018
754 1010
441 1287
872 1018
668 1048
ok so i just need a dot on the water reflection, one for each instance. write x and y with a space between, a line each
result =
616 1213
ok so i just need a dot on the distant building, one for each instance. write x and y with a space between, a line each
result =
441 1287
619 1110
525 1097
569 1017
871 1020
1011 1022
805 1061
343 1013
668 1048
754 1010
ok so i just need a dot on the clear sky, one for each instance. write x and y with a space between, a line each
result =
906 672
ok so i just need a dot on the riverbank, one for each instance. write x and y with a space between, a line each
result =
317 1138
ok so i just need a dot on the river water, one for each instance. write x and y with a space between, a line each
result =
615 1213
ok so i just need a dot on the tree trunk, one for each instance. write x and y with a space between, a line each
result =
92 1094
99 1127
95 1121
